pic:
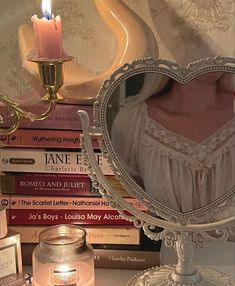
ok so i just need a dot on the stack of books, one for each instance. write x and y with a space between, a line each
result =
44 183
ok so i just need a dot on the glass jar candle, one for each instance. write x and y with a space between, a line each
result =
63 258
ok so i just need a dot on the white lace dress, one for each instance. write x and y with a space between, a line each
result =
181 173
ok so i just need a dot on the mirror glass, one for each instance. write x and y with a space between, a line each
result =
177 141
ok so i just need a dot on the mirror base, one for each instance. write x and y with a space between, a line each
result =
162 276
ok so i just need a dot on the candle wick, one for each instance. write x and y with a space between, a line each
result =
47 15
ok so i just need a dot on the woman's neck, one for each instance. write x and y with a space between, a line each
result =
193 97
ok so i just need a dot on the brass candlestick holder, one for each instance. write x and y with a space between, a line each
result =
51 77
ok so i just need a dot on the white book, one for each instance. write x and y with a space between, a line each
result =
44 161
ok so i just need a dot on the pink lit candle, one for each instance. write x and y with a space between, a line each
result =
48 33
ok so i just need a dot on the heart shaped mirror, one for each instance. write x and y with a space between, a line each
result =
169 136
176 142
170 132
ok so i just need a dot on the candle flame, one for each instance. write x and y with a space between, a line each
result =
46 8
64 275
64 268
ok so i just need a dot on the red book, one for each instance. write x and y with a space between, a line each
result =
45 139
53 184
47 184
62 203
53 217
64 117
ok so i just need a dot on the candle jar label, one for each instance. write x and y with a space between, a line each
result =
62 278
8 261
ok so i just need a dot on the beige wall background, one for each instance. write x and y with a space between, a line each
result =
185 30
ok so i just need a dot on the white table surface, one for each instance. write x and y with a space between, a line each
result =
220 256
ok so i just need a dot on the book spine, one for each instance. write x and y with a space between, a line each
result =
125 259
43 161
64 117
61 203
44 139
47 184
53 217
53 184
110 258
95 235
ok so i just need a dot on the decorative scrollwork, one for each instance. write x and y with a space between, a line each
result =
51 77
15 113
162 276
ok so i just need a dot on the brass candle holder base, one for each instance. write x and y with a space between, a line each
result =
51 77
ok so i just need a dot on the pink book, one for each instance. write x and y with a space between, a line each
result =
39 138
64 117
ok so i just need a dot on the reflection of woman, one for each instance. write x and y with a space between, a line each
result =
181 143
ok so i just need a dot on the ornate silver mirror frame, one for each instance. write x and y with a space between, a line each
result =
184 231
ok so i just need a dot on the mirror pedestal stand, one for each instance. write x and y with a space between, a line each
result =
184 273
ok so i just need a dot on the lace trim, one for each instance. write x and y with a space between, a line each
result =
200 153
